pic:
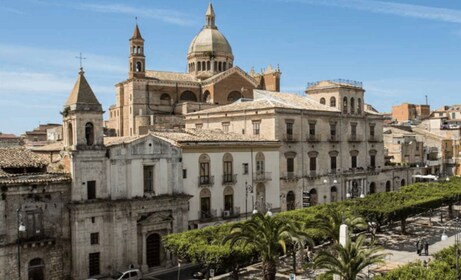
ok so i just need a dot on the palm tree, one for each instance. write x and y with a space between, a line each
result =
330 221
349 261
268 235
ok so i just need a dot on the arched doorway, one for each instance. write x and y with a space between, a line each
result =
153 250
372 187
388 186
165 99
36 269
333 194
402 183
313 197
291 200
261 197
206 97
355 189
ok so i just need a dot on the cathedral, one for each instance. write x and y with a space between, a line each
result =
151 99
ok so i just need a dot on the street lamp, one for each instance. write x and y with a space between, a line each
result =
249 189
21 228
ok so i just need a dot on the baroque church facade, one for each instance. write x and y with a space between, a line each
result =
151 99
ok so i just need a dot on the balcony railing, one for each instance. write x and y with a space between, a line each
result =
207 214
205 181
229 179
290 175
373 138
313 138
289 137
260 176
230 213
333 138
313 173
354 138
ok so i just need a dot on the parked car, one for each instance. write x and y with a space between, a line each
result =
132 274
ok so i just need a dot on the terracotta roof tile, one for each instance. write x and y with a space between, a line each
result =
170 76
34 178
20 157
207 135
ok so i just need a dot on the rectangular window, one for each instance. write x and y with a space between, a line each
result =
199 125
93 264
290 165
204 173
372 160
228 202
333 130
225 126
148 174
245 168
372 130
313 164
311 129
34 225
333 164
184 173
353 129
289 128
256 128
260 167
94 238
227 171
354 161
91 189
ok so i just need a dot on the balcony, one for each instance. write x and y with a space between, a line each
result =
313 138
289 138
354 138
207 214
260 176
230 213
373 138
229 179
205 181
313 173
289 176
334 138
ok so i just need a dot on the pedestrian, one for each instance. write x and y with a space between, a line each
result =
426 248
417 247
421 246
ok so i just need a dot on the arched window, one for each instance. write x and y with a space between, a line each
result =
261 198
228 174
188 96
205 204
199 66
291 201
89 134
388 186
208 65
234 96
313 197
229 199
224 66
215 68
220 66
36 269
332 101
402 183
359 106
206 97
322 101
70 135
138 50
165 99
204 163
352 105
333 194
138 66
345 105
260 164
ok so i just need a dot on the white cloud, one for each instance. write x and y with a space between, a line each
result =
12 10
399 9
169 16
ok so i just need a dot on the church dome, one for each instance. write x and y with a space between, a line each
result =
210 40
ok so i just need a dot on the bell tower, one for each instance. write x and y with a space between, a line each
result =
82 118
137 58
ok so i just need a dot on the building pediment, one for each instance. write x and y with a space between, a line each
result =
230 72
155 218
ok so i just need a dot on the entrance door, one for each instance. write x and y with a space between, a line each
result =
36 269
153 250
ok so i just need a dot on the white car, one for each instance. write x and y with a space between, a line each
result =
132 274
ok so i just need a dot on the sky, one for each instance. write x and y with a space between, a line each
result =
401 50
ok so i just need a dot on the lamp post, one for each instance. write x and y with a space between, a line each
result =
21 228
249 189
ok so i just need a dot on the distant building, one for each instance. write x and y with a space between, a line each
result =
9 140
43 135
151 99
410 112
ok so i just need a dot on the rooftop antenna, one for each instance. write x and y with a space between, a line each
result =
426 100
81 60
